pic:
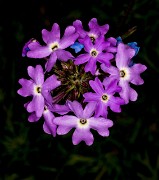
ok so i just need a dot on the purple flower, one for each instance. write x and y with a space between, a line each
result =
48 126
94 53
33 43
94 29
82 121
60 109
104 96
113 42
124 73
131 44
37 88
84 93
55 46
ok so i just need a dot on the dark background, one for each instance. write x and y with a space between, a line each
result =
131 152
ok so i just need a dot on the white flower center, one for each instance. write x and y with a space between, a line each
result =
105 98
124 74
83 123
54 46
45 110
37 90
92 37
94 53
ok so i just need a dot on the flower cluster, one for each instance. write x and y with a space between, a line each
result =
85 75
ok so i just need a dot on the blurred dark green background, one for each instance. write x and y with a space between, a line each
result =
131 152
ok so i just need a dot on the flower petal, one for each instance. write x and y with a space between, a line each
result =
51 36
81 59
115 103
37 105
89 110
79 28
65 123
100 43
101 110
112 41
76 107
62 130
69 31
94 24
66 41
101 125
51 83
39 52
33 118
124 54
88 45
127 92
30 45
61 109
111 85
111 70
34 44
49 127
82 135
51 61
48 97
133 95
105 58
136 70
97 86
63 55
111 49
27 87
91 66
66 120
89 97
36 74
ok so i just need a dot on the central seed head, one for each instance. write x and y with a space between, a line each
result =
74 81
122 73
83 121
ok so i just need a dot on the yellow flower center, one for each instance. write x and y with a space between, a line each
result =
104 97
122 73
83 121
92 38
54 46
38 89
94 52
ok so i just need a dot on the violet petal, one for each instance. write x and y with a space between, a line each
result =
36 74
63 55
39 52
76 107
27 87
82 135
